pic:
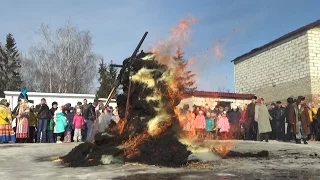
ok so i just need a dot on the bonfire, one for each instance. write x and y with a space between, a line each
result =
151 133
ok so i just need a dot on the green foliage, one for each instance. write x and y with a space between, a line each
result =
107 77
10 65
184 76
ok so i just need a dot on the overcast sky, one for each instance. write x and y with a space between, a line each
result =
234 27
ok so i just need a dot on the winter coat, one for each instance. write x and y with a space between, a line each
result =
103 121
209 124
278 114
243 117
78 121
4 115
318 115
85 111
51 125
90 113
223 124
250 114
69 117
44 112
32 119
263 117
234 117
234 120
304 118
200 122
60 122
290 115
312 114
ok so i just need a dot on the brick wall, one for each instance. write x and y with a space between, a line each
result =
314 62
281 70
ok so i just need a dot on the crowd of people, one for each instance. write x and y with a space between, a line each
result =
27 123
296 121
40 124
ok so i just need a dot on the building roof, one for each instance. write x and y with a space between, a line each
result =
290 34
41 94
222 95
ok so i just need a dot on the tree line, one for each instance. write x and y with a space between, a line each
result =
61 62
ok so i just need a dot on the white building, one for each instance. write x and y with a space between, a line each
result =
201 98
287 66
60 98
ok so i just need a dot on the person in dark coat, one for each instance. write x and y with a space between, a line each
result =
289 114
279 119
234 116
302 120
251 125
44 117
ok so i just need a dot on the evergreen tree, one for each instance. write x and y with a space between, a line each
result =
107 77
184 76
10 65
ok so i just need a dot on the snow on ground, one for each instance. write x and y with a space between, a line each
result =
286 161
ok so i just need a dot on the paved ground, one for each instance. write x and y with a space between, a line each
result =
286 161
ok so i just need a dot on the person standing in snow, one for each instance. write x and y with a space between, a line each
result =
60 123
78 122
262 117
223 125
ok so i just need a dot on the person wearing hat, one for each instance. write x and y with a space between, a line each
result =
301 120
200 123
279 121
250 125
290 120
223 125
22 115
23 94
6 132
262 117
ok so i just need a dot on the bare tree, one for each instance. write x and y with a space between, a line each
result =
64 60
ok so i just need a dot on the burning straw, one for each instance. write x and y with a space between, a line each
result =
151 134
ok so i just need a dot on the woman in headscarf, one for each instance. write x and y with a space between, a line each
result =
22 116
263 118
6 131
23 94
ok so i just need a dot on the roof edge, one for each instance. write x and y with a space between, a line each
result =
281 38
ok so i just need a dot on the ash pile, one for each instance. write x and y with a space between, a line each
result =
149 135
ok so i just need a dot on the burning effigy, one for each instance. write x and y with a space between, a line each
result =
151 132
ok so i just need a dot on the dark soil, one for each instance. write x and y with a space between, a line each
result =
235 154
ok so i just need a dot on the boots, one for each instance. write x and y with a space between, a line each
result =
305 141
298 141
267 137
261 137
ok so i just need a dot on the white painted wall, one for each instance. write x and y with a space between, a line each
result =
61 98
212 102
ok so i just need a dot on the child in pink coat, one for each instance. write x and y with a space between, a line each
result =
223 125
200 123
78 123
